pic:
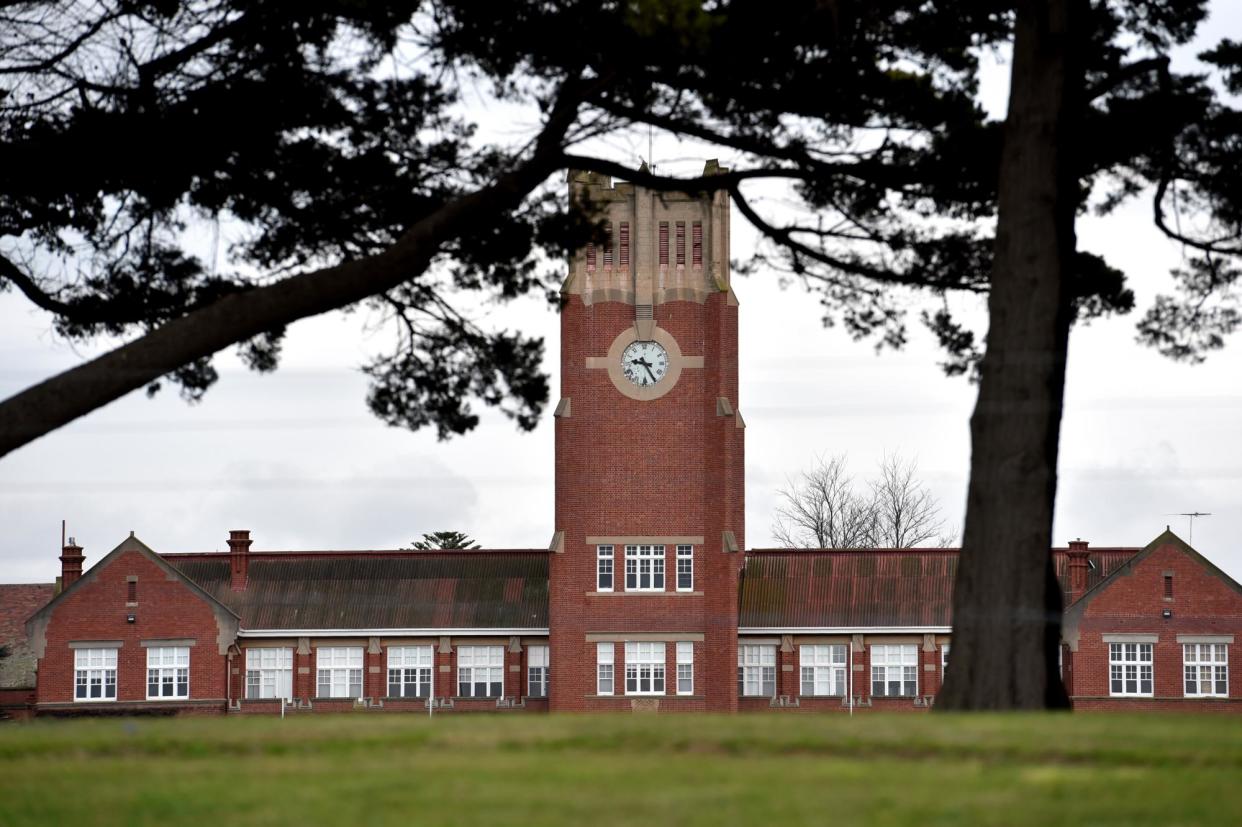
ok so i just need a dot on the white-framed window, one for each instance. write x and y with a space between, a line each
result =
823 669
603 568
269 672
168 672
685 667
94 674
894 670
944 660
644 667
605 653
480 671
644 568
1206 669
338 671
537 671
1129 669
685 568
410 671
756 669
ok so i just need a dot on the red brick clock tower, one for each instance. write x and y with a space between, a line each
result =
643 588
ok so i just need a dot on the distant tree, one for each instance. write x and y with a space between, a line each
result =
825 509
444 539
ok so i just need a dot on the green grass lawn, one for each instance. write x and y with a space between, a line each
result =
371 769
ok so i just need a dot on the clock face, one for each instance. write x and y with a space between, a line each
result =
644 363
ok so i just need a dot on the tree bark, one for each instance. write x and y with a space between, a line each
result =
1007 604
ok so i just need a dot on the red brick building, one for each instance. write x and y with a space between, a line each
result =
644 599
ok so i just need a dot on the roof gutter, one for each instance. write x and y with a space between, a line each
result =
267 633
844 630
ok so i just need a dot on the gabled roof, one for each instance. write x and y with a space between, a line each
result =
17 602
374 590
870 588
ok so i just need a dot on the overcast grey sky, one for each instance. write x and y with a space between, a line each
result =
296 457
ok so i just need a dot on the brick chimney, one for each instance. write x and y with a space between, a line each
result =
239 558
71 558
1078 567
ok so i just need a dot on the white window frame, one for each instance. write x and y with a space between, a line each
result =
537 669
168 667
605 671
895 663
685 568
644 667
944 660
605 567
685 667
269 672
644 563
756 670
1131 664
1205 659
340 670
822 670
481 666
94 669
411 670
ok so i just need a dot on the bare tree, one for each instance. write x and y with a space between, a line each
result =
824 509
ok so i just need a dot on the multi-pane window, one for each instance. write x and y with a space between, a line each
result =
823 669
94 674
168 672
338 671
608 246
537 671
756 669
1129 669
625 244
1206 667
480 671
409 671
681 244
644 568
644 668
696 244
944 660
604 656
663 243
269 673
590 256
685 667
685 568
603 568
894 670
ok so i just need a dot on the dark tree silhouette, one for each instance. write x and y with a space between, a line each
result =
445 539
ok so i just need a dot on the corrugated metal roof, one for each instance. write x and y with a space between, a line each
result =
835 588
381 590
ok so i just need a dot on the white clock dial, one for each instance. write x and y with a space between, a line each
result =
644 363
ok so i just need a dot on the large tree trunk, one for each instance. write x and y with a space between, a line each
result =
1007 605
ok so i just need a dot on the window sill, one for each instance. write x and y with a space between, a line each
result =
168 699
632 697
94 700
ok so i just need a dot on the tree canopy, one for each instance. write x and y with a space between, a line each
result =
444 539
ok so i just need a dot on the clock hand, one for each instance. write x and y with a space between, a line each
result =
649 373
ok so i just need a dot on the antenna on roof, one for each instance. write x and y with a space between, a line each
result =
1190 515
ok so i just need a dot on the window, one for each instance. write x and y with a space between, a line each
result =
131 591
685 667
339 671
894 670
94 674
644 568
681 244
625 244
603 568
685 568
590 256
1206 667
537 671
696 244
168 672
269 673
644 668
756 670
1129 668
944 660
663 243
409 671
604 654
608 246
823 669
1168 587
480 671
